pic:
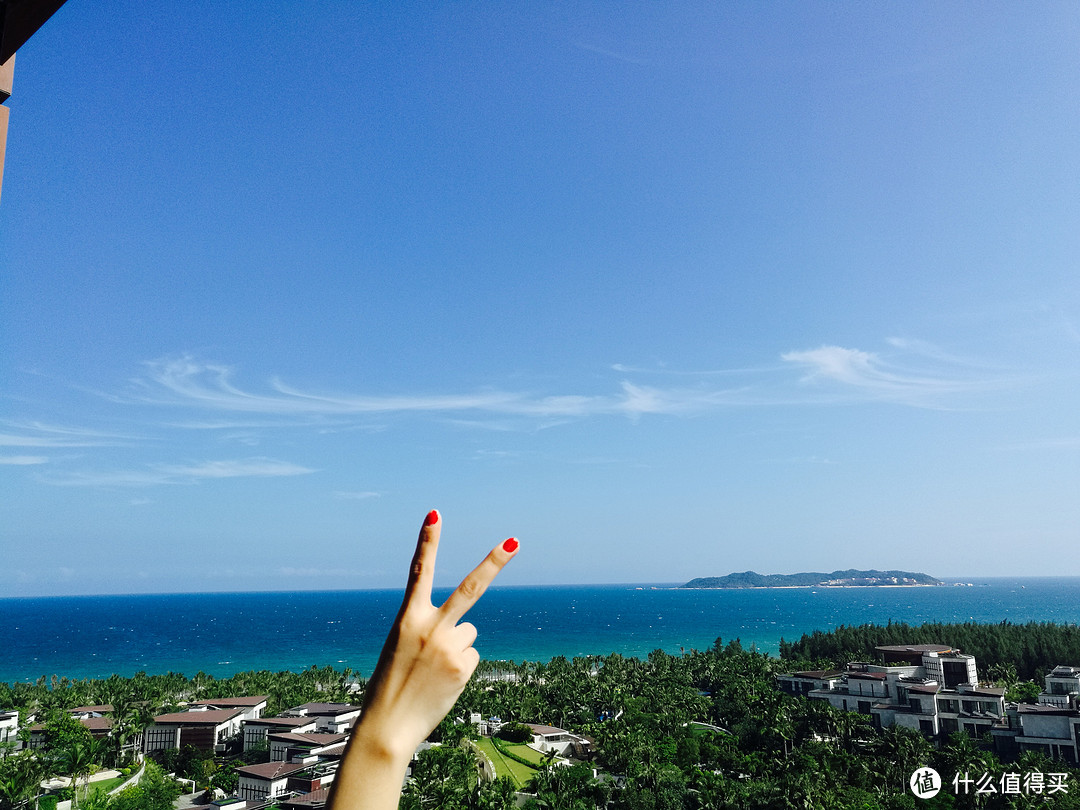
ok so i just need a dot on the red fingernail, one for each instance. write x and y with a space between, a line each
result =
510 546
432 518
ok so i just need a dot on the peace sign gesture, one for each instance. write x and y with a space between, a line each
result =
425 663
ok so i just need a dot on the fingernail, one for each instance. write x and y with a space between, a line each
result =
510 546
432 518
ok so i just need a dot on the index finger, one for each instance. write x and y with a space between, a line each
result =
422 569
474 585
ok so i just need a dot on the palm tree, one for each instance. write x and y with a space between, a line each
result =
78 760
444 777
497 795
20 780
905 750
850 727
200 684
125 719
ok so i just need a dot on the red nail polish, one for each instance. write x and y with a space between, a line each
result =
432 518
510 546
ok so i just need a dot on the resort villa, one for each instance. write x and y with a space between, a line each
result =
1051 727
208 730
935 689
270 780
332 718
564 743
294 746
9 729
252 707
92 718
256 731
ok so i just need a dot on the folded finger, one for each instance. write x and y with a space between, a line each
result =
422 570
464 635
474 585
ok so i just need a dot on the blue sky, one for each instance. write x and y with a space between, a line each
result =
665 290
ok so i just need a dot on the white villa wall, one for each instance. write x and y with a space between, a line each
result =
932 665
973 671
251 788
1060 701
338 724
840 701
278 750
863 687
913 721
251 712
1042 725
254 736
9 726
887 717
160 738
559 743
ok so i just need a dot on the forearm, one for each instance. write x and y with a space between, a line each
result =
370 775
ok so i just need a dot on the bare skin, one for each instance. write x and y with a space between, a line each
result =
425 663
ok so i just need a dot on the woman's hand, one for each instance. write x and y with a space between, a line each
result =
426 662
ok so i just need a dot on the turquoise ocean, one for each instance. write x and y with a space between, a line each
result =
225 633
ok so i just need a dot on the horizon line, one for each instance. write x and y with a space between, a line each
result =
950 580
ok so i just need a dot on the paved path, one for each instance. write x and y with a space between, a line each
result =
65 781
188 800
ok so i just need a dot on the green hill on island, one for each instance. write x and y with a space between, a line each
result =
837 579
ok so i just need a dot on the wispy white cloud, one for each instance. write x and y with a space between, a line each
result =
869 376
490 455
159 474
240 425
617 53
599 460
210 385
247 437
237 468
357 496
110 478
23 460
829 374
931 351
39 434
290 571
495 425
187 382
662 369
799 460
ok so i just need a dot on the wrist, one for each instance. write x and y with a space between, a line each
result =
382 745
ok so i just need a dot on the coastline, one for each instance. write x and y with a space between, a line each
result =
806 587
222 634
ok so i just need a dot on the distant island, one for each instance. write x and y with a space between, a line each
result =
837 579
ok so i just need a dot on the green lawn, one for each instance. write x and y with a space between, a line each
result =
105 785
525 752
504 766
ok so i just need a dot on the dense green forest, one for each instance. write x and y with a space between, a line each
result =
1032 649
772 750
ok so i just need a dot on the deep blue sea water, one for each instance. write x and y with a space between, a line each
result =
95 636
